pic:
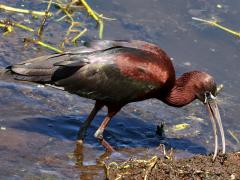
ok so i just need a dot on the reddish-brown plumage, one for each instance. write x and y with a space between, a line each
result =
115 73
148 67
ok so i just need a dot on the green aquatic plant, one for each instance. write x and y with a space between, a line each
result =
216 24
69 11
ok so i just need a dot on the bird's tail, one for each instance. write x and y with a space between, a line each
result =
38 70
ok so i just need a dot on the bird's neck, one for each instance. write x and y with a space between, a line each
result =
182 93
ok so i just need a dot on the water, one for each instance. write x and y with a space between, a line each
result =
39 124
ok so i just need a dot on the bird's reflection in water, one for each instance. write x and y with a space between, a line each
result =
88 170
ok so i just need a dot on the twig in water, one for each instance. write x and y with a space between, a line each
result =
9 26
233 136
26 11
40 30
43 44
215 24
95 16
79 35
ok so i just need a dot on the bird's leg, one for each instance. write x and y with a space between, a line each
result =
83 129
99 133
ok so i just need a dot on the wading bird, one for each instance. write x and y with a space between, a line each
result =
115 73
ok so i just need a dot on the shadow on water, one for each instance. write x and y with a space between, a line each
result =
122 132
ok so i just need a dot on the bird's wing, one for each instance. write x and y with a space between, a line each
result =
115 74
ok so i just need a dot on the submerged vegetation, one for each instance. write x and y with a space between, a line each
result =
59 11
216 24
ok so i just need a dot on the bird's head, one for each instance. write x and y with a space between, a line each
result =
207 93
198 85
205 86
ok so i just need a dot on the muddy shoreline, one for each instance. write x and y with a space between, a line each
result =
198 167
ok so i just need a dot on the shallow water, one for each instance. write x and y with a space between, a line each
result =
39 124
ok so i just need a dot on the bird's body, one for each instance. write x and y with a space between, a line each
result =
110 72
115 73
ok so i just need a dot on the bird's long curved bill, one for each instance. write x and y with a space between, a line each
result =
215 118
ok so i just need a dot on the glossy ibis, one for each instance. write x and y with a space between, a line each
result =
115 73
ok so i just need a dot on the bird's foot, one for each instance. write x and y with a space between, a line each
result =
79 147
78 152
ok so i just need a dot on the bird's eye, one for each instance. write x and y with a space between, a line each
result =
207 93
208 97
